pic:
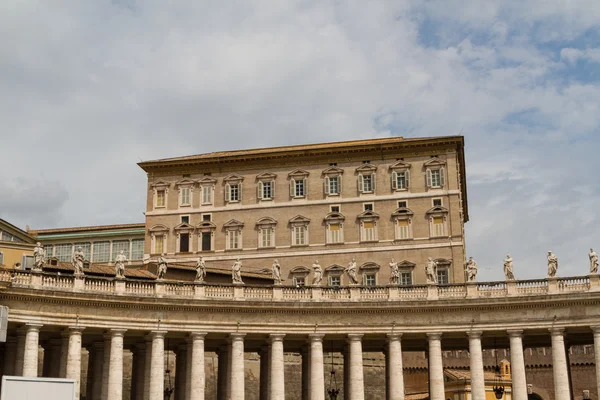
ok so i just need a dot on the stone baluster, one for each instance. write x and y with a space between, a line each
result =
476 365
115 371
317 380
197 382
31 350
73 370
157 367
236 371
395 375
559 365
356 383
436 367
517 365
276 368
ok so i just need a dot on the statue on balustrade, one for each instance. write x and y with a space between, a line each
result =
162 267
593 262
508 268
77 261
471 270
351 271
317 274
552 264
200 270
394 272
276 269
236 272
431 271
120 261
39 257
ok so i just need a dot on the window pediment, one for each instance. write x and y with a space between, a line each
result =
443 263
160 185
437 210
233 178
206 226
207 180
369 266
366 168
300 270
434 162
332 171
299 220
400 165
184 226
404 264
298 173
334 268
266 221
158 228
334 217
184 182
368 216
402 212
233 224
266 176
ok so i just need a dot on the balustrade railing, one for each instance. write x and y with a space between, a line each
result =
58 282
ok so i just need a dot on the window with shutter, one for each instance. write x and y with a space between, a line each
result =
334 233
160 198
360 183
185 196
438 226
159 245
368 231
403 229
207 194
394 180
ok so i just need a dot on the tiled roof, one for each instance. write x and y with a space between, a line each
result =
465 374
219 271
101 269
36 232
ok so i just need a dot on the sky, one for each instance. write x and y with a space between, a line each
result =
90 88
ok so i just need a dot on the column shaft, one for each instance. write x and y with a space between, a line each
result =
395 373
197 383
181 373
64 355
436 367
10 356
356 384
223 373
18 370
97 371
596 330
73 368
105 367
264 374
237 366
317 380
115 372
157 367
139 372
147 366
31 352
305 373
517 365
476 365
559 365
276 368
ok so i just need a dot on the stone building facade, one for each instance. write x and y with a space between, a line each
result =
371 200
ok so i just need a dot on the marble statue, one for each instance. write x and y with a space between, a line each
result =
162 267
236 272
120 261
77 261
317 274
351 271
593 262
431 271
552 264
39 257
471 270
508 268
200 270
276 270
394 272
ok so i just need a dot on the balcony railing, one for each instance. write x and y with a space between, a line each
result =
190 290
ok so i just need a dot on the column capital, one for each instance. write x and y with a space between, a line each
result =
75 330
158 334
116 332
276 337
595 328
556 331
315 337
354 337
31 327
515 333
394 336
196 335
474 334
434 335
236 337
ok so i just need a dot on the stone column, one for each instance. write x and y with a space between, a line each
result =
395 372
138 371
147 365
305 373
356 383
73 370
346 361
317 380
53 353
596 330
10 356
436 367
264 373
20 349
64 354
180 372
197 382
31 351
476 357
115 372
223 373
97 350
276 368
517 365
105 366
157 367
237 366
559 365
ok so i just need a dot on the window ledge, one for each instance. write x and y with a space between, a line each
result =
155 207
369 241
334 244
267 248
185 205
401 190
240 249
404 240
299 245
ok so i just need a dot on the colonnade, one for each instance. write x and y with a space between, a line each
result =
105 366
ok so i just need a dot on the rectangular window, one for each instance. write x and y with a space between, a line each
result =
335 209
233 239
367 183
101 252
27 262
49 251
266 237
207 194
332 185
438 226
403 231
405 278
437 202
185 196
137 249
233 192
267 190
159 244
402 204
401 180
85 247
334 280
299 188
64 252
206 217
299 281
160 198
185 219
119 245
1 258
335 233
442 275
370 280
299 235
206 241
368 231
368 207
184 242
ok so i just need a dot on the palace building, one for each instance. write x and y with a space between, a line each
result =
368 200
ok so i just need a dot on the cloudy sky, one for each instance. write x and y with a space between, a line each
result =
89 88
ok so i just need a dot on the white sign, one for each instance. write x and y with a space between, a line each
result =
21 388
